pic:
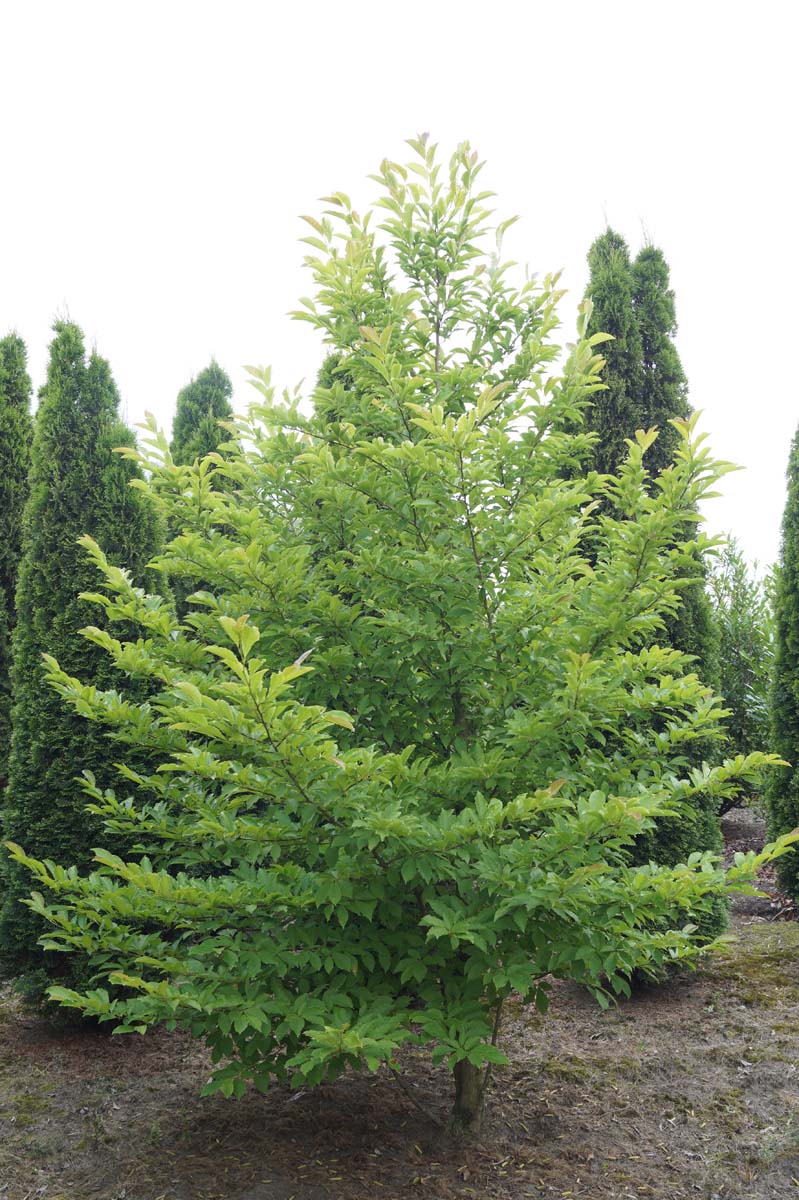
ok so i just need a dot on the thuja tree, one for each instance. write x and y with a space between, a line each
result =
77 486
15 442
645 385
646 389
783 791
664 397
201 405
743 612
662 389
406 747
615 412
196 433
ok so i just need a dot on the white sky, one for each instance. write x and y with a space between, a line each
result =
156 155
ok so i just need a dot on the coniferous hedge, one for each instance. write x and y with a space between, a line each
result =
15 443
78 485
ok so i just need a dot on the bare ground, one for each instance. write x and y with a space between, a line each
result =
689 1090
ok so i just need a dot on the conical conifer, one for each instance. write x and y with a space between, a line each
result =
664 388
783 791
664 397
616 412
647 387
201 405
78 485
196 432
15 443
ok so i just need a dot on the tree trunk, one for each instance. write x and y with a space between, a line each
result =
467 1113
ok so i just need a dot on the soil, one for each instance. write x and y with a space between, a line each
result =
688 1090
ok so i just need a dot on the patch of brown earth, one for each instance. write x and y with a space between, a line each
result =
688 1090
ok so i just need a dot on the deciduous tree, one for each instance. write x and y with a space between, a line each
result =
406 747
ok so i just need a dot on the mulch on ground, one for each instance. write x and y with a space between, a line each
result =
688 1090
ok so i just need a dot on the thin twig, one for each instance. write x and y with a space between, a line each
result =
494 1040
404 1087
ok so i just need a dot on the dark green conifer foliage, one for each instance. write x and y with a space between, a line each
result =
663 386
15 443
77 486
196 432
664 396
743 611
783 791
201 405
646 387
617 412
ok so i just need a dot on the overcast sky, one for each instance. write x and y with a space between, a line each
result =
156 157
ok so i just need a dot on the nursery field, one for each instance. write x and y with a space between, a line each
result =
689 1090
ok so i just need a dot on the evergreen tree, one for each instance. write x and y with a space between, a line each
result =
201 405
646 388
783 791
618 411
15 443
744 616
77 486
196 432
663 388
664 397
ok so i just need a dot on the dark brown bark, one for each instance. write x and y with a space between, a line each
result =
467 1113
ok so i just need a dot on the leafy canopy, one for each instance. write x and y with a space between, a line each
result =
407 731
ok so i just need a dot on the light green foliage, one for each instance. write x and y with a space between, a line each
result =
783 790
78 485
15 442
410 732
743 611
